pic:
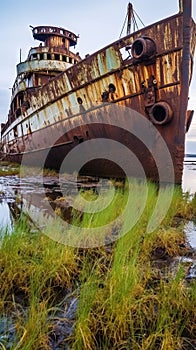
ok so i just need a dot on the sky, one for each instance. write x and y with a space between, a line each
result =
98 23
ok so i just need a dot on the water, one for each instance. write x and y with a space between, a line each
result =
190 230
189 175
13 189
29 194
7 196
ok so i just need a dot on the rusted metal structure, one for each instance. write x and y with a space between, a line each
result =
59 101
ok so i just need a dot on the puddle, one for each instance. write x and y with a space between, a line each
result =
7 332
5 216
31 196
190 231
7 196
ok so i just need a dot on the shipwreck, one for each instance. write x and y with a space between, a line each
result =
61 102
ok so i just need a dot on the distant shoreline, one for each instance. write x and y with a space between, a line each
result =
190 155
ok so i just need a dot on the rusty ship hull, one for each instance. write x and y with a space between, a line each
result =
51 115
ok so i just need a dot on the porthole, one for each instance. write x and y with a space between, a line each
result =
112 88
161 113
80 101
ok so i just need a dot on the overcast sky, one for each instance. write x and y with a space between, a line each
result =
98 23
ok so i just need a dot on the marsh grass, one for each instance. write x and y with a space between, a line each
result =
126 300
8 169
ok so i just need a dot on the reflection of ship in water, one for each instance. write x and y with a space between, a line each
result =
39 202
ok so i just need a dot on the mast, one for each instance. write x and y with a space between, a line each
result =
180 6
132 25
129 16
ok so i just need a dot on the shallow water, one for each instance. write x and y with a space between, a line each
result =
5 215
190 230
189 175
7 196
32 192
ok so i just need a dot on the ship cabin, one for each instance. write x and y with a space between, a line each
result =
50 58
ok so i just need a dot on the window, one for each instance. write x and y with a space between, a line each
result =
57 57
